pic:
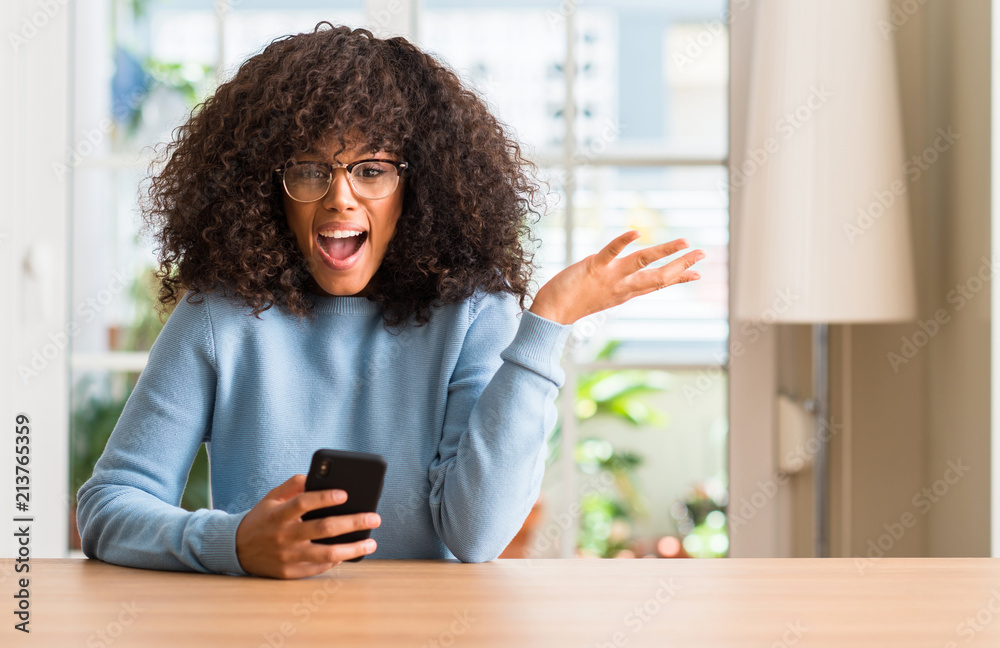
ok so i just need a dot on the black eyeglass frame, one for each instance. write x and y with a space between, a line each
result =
402 169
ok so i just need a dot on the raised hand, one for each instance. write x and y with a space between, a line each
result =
602 280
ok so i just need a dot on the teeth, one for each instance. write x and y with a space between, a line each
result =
340 233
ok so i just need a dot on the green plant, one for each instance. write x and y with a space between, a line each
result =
606 518
93 421
146 323
615 393
701 521
189 80
193 82
604 527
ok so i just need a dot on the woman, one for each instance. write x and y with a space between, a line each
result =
349 225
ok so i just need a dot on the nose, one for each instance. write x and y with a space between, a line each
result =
340 196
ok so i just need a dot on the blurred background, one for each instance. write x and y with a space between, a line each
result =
640 114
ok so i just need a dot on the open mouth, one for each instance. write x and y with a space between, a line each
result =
341 251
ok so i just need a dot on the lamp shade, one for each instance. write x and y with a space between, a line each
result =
824 232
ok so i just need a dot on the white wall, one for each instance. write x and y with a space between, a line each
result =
33 250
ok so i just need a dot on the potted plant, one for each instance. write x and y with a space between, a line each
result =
605 519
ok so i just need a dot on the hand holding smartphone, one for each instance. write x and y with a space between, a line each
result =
360 474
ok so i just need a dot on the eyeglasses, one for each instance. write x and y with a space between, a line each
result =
372 178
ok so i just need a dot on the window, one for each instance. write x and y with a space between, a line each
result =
634 138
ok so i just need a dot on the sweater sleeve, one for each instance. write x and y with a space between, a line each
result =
501 403
129 510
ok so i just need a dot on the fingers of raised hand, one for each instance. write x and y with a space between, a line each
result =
615 247
642 258
677 271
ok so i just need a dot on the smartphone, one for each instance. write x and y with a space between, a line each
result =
360 474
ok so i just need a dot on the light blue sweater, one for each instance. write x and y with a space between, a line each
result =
459 407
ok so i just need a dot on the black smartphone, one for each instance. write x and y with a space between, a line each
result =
360 474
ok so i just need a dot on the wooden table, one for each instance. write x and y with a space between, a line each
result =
939 602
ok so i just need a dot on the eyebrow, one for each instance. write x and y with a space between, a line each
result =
367 156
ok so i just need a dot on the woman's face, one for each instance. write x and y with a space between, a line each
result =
342 264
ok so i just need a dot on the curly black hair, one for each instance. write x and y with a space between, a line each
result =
215 205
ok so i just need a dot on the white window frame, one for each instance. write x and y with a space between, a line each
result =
569 164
